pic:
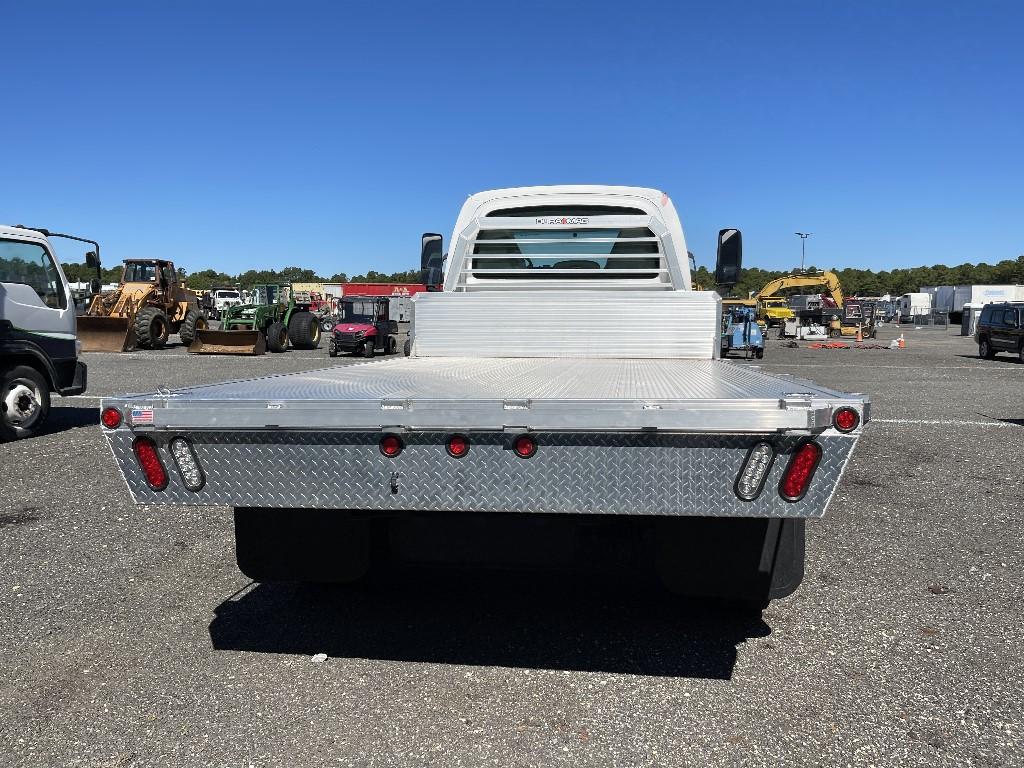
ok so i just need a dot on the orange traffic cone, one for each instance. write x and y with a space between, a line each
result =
902 341
860 335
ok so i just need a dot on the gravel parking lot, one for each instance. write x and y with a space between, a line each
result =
129 638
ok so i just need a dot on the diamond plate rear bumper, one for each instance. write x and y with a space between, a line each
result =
580 473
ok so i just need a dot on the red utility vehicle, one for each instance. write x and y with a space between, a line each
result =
364 328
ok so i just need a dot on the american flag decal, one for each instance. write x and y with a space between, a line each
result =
142 415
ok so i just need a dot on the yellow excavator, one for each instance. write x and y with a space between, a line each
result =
772 308
146 307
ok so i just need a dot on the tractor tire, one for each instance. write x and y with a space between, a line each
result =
151 328
835 334
392 347
277 337
194 321
304 330
24 402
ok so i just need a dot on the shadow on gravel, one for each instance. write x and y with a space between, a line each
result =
528 620
69 417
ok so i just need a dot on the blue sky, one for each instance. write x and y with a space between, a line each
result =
330 135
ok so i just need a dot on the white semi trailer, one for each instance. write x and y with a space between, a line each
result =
566 379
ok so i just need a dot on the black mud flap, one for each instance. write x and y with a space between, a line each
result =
748 559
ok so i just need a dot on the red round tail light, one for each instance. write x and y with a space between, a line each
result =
846 419
458 446
149 462
111 418
524 446
391 445
797 477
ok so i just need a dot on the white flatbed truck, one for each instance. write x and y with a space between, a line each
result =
566 373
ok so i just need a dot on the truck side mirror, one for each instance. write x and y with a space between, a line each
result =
91 260
431 260
730 257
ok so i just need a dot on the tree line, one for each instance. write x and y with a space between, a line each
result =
896 282
856 282
205 279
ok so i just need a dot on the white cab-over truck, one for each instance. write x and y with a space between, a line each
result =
565 382
38 343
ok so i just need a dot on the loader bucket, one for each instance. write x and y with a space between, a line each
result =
209 342
105 334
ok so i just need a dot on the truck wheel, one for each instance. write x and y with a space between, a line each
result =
392 345
24 402
193 322
311 545
368 348
759 353
304 330
407 347
746 560
151 328
835 334
277 337
327 326
985 350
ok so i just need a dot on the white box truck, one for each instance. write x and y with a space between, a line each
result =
39 347
566 378
913 305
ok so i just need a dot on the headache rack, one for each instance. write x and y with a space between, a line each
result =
550 252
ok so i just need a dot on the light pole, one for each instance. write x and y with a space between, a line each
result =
803 246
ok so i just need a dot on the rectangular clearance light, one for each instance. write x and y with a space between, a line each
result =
755 470
188 464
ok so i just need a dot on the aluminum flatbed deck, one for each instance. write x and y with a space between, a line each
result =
550 394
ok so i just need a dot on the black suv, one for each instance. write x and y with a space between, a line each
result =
1001 329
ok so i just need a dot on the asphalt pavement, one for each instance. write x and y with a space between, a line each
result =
129 638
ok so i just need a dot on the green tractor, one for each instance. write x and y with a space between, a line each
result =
279 317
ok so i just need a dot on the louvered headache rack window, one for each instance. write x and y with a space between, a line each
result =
571 254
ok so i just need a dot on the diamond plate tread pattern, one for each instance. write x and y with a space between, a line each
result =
581 473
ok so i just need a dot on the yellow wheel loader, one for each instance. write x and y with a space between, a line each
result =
146 308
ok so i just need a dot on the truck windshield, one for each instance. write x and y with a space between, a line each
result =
357 311
30 264
540 253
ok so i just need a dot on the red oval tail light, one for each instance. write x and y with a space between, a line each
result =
148 458
797 477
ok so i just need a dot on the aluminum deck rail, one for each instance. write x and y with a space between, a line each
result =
549 394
